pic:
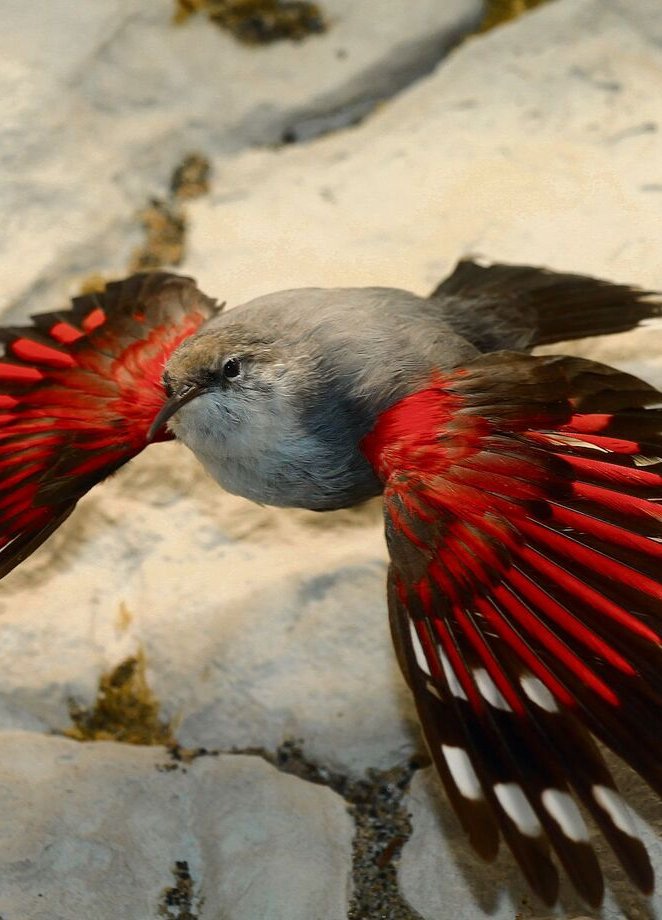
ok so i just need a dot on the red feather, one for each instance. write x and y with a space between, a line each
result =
522 524
78 392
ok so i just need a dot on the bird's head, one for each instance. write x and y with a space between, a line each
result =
259 416
219 381
275 396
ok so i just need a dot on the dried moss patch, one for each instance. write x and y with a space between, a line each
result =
125 709
179 901
500 11
191 178
164 226
164 220
258 22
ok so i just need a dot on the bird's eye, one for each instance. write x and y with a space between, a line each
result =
232 368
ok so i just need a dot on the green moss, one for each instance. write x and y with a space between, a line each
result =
258 22
125 709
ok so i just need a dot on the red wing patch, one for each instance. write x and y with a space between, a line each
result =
79 390
524 522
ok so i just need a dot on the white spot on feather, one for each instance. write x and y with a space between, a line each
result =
518 808
489 690
538 693
454 684
563 808
421 660
650 322
617 809
462 772
640 460
569 441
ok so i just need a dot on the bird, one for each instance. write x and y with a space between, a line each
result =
521 497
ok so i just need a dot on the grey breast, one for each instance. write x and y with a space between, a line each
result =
365 348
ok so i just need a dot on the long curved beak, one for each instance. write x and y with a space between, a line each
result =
174 404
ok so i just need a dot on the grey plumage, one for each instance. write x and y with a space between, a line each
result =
319 366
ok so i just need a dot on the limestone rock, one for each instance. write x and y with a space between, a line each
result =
106 830
100 103
537 143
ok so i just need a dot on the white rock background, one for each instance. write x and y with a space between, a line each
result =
539 142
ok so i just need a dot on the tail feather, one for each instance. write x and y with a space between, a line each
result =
520 307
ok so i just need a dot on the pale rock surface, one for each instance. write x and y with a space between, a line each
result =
101 100
102 827
535 143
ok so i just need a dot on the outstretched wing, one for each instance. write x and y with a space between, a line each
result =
524 524
517 306
78 391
